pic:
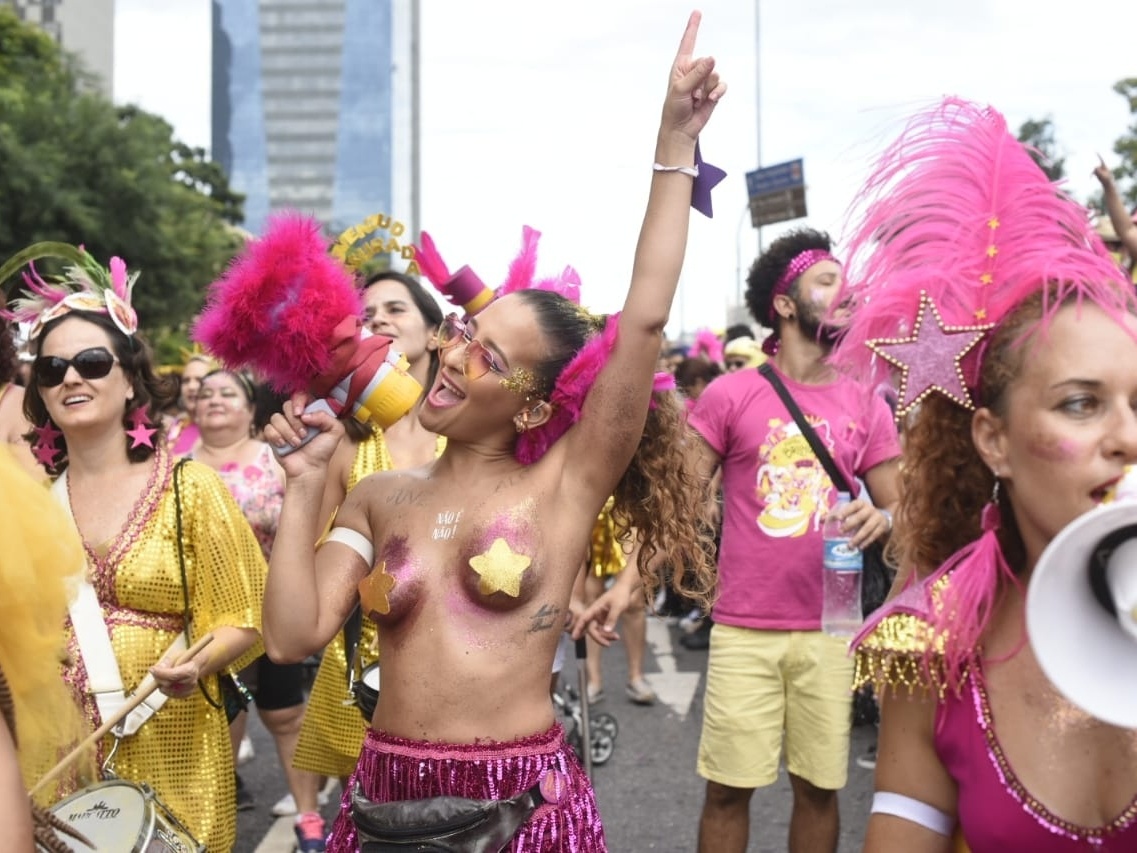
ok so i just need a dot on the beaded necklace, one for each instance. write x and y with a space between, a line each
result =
103 569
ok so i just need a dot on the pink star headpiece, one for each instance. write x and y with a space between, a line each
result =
956 226
85 285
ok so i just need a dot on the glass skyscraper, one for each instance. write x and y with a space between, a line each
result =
303 103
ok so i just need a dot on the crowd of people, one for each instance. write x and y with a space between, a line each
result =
184 543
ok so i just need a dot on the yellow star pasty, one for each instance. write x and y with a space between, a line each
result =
500 569
374 589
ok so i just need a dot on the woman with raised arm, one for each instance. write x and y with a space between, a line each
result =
467 564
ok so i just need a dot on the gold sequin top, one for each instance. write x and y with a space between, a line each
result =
898 649
183 751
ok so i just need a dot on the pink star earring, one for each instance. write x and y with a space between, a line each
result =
44 447
142 430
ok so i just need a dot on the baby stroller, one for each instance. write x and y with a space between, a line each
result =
599 730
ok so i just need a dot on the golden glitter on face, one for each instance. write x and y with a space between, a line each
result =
521 381
500 569
374 591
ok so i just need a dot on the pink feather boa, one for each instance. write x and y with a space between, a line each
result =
568 394
283 308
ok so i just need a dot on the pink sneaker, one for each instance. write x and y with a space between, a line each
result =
309 831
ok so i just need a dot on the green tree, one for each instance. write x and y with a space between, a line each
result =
75 168
1038 136
1126 146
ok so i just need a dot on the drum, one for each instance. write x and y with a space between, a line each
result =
366 691
121 817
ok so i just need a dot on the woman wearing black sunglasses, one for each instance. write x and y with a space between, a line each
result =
467 564
155 555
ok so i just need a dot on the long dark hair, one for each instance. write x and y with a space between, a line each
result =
8 355
152 392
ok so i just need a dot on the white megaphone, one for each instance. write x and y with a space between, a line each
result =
1081 612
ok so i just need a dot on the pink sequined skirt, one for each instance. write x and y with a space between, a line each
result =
393 768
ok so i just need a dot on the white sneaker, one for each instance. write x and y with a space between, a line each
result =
245 751
286 805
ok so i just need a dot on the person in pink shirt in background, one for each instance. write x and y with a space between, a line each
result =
770 668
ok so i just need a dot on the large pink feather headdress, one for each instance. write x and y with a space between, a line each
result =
955 227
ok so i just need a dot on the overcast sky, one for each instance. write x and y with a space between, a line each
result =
545 113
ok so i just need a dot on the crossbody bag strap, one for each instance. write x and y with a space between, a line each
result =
104 680
187 616
807 431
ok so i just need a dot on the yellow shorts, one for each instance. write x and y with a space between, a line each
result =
761 684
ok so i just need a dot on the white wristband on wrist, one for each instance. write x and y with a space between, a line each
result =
693 171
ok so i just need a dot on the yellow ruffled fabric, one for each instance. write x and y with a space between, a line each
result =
40 558
902 651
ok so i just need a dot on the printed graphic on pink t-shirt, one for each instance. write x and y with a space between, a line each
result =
776 494
792 487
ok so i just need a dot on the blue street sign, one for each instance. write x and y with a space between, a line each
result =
773 179
777 193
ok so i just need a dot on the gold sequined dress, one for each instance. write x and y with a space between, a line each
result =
331 735
183 751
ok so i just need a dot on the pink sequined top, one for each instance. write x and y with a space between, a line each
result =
997 814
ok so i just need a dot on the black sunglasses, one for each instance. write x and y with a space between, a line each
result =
93 363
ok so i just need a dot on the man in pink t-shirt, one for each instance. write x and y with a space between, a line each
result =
771 671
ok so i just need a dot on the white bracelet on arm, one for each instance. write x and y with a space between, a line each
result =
354 540
920 813
693 171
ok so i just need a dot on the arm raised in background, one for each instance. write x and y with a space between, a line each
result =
603 441
1115 208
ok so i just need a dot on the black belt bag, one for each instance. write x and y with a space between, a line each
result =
440 824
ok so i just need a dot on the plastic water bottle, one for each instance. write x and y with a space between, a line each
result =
841 576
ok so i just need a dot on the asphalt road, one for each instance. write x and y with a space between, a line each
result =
648 792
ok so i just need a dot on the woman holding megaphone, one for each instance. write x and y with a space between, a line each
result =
1013 338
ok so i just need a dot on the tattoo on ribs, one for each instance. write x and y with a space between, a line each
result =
544 619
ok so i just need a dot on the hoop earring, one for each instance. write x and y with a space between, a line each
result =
991 517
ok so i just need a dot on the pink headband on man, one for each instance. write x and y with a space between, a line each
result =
799 264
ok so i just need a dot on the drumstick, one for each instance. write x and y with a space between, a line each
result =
147 686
